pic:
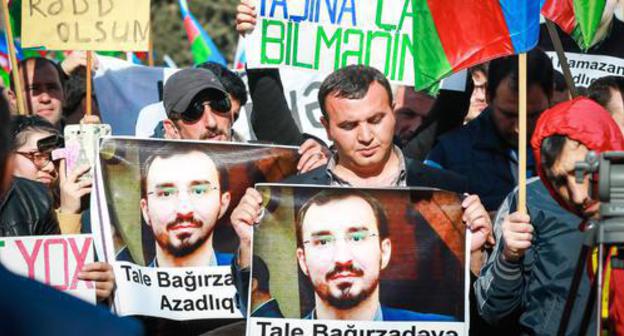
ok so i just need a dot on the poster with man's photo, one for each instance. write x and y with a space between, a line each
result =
164 212
345 261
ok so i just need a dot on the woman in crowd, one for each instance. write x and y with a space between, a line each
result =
34 141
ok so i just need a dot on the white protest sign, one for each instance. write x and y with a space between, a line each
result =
587 68
188 293
324 36
52 260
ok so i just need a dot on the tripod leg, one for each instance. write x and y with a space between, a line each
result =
599 282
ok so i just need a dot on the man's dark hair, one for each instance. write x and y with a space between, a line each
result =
75 90
261 274
232 83
539 72
39 63
551 149
351 82
600 90
173 149
326 196
559 81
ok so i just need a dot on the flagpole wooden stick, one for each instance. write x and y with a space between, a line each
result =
563 60
17 79
522 132
89 88
150 50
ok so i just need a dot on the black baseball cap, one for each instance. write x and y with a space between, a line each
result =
185 84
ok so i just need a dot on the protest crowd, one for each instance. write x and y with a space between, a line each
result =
521 264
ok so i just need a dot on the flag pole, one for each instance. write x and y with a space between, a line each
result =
563 60
88 109
150 49
522 132
17 80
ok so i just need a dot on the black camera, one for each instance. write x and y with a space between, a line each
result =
606 173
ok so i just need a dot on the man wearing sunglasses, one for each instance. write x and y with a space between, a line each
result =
199 108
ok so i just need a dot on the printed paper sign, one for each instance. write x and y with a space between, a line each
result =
177 293
121 25
587 68
52 260
344 261
164 212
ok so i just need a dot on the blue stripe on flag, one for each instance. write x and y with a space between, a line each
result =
522 18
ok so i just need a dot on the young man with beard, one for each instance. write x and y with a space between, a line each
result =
343 245
530 273
182 204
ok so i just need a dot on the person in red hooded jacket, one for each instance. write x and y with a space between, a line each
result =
536 274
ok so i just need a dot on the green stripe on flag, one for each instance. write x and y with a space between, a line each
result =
588 14
201 51
1 243
430 62
6 78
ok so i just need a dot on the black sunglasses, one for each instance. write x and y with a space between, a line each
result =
195 111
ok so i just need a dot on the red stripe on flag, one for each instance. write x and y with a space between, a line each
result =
560 12
191 29
471 32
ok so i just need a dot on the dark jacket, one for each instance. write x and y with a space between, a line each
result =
27 210
29 307
585 121
268 309
477 152
271 118
536 288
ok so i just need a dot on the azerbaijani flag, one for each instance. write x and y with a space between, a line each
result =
578 18
452 35
202 46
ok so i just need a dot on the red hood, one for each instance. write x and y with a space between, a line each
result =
580 119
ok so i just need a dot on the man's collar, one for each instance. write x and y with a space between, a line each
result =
262 305
334 179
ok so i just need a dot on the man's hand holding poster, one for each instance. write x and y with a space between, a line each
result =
325 257
164 212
